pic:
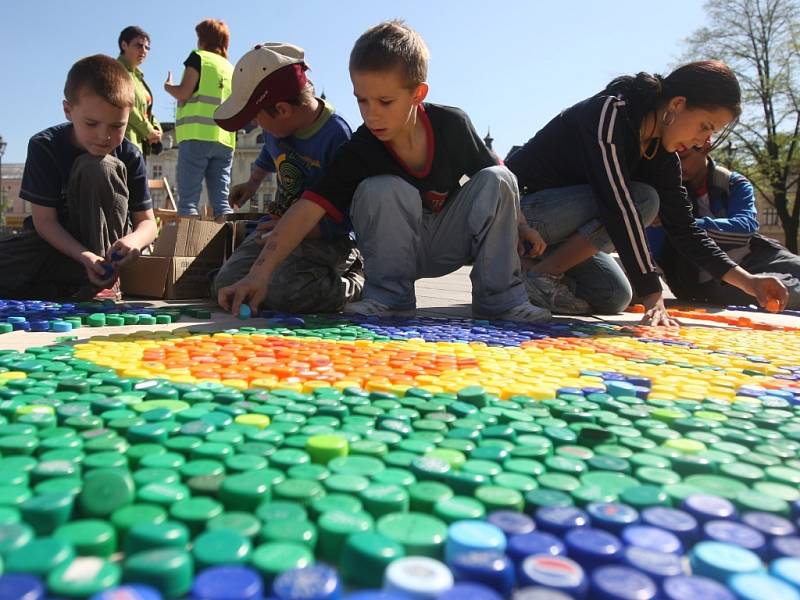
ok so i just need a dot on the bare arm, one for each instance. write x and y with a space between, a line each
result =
184 90
289 231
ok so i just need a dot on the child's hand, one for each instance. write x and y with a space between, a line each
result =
242 192
122 252
99 272
248 290
655 312
768 290
530 242
154 137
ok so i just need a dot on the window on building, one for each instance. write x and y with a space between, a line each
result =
769 216
158 171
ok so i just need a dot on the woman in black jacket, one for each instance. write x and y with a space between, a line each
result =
600 171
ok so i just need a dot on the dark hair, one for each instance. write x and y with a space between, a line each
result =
707 84
304 96
214 36
130 33
390 45
103 76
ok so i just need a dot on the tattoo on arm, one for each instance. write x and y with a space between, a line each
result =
259 262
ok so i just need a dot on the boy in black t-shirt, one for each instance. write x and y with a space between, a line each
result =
82 178
399 179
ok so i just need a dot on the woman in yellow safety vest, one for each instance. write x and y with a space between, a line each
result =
205 151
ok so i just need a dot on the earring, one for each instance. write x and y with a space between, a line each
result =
668 118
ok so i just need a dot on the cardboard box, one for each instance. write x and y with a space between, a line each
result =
184 254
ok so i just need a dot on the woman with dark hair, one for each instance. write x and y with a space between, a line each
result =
599 172
143 129
205 150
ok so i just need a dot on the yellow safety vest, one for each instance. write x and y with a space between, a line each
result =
195 117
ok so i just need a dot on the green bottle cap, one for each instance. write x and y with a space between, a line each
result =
89 537
302 491
126 517
335 528
365 466
752 500
83 576
747 474
717 485
278 557
335 502
785 492
245 491
169 570
418 533
657 476
494 497
9 515
558 481
13 536
285 458
515 481
47 512
381 499
195 512
324 448
151 535
538 498
642 496
241 522
298 532
396 476
220 547
458 508
345 483
39 556
425 494
281 510
366 556
104 491
524 466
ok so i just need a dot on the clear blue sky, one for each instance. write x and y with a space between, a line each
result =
512 65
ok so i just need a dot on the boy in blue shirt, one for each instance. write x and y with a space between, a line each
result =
86 183
399 180
301 135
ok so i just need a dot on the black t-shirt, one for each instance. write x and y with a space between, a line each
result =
454 150
196 63
596 142
51 155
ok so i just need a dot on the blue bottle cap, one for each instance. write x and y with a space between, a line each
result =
705 507
316 582
693 587
617 582
656 565
19 585
796 509
473 591
227 583
128 592
524 545
592 547
787 569
720 561
537 592
785 546
244 311
557 572
511 522
560 519
492 569
611 516
732 532
762 586
620 388
375 595
418 577
652 538
769 524
472 536
681 524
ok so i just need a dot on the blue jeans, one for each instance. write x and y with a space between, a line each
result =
557 213
212 161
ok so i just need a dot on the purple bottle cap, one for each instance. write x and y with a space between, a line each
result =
19 585
732 532
473 591
129 592
705 507
769 524
694 587
652 538
657 565
491 569
511 522
228 583
615 582
788 545
522 546
537 592
611 516
317 582
557 572
560 519
593 547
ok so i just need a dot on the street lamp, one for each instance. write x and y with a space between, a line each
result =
2 203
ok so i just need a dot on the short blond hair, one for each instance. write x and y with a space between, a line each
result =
392 45
103 76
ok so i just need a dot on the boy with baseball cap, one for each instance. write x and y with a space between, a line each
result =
399 180
301 135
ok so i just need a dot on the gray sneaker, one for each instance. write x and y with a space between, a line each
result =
552 292
372 308
524 313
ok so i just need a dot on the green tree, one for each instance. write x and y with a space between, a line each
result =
758 39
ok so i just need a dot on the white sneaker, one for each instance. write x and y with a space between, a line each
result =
552 292
522 313
372 308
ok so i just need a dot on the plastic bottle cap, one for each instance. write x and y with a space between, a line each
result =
473 536
418 533
275 558
720 561
83 576
591 547
228 583
169 570
493 569
220 547
318 582
555 572
691 587
366 556
418 577
89 537
761 586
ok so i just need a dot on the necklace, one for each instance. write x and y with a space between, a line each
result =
652 154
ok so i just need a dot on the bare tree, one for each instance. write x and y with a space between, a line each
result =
758 39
